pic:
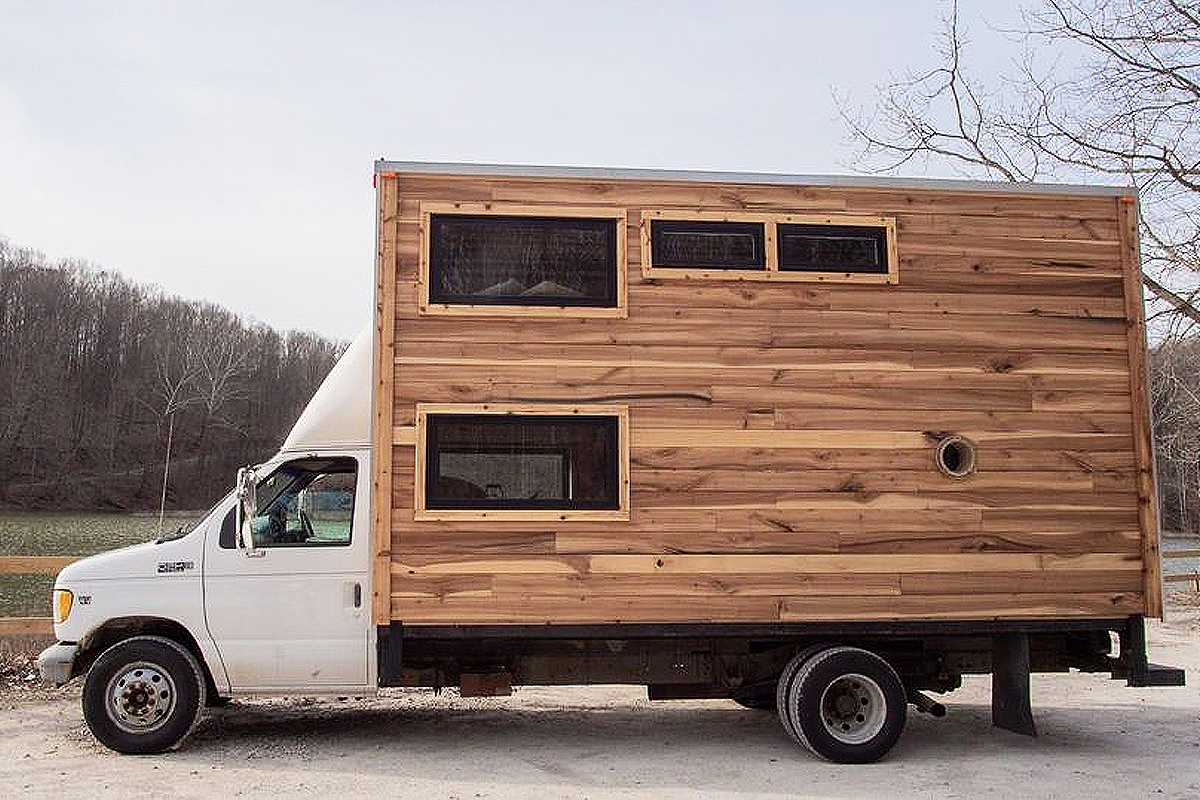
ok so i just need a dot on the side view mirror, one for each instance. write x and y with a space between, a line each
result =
247 509
246 541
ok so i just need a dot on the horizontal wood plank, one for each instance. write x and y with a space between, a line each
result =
584 608
699 354
758 563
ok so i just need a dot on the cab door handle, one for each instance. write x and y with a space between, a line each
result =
358 595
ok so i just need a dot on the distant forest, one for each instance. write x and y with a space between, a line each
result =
98 375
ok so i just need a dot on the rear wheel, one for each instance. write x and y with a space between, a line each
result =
844 704
784 686
143 695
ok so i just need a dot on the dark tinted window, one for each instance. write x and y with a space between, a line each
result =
833 248
713 245
521 462
502 260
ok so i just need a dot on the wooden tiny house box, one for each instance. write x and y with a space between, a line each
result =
659 397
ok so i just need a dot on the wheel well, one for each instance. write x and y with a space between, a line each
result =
121 628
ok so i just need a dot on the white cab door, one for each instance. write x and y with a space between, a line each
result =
296 615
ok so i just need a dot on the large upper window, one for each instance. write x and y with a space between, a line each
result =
487 462
519 260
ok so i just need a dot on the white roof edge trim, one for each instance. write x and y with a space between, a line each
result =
339 414
700 176
331 447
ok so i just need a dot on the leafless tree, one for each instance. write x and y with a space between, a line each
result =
1102 88
177 367
1175 388
222 378
109 390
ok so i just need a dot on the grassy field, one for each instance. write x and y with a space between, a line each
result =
67 533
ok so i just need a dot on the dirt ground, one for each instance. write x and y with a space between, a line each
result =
1098 738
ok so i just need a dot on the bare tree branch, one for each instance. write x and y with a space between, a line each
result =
1118 95
1181 305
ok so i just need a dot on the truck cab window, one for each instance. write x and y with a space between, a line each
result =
306 503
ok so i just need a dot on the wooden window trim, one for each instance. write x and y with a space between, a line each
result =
621 412
428 307
772 272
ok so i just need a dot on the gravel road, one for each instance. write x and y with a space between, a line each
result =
1098 738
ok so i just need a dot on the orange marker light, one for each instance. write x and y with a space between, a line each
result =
62 605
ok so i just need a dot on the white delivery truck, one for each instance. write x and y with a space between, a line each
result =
817 444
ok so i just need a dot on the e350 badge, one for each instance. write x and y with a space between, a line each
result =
167 567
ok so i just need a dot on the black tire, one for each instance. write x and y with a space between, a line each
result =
784 686
143 695
846 705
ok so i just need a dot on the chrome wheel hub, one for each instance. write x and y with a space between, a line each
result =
141 697
853 709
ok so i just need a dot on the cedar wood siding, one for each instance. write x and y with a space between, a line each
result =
782 433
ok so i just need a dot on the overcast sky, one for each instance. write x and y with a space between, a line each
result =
224 151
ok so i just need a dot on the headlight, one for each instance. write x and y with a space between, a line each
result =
62 605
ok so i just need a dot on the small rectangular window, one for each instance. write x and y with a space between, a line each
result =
500 260
767 246
709 245
833 248
523 462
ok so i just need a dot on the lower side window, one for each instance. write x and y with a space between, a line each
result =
522 461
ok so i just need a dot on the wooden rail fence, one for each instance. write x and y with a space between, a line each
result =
50 565
31 565
1192 577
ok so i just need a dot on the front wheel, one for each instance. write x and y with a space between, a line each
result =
844 704
143 695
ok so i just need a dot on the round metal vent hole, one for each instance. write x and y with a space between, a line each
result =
955 456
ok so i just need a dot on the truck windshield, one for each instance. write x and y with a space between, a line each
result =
183 530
